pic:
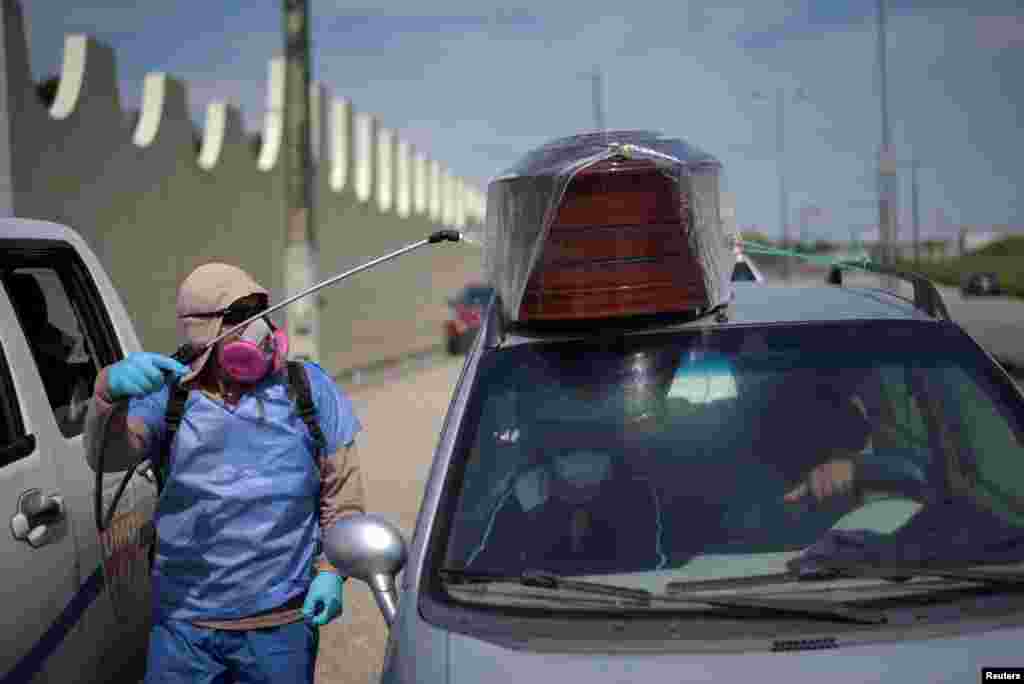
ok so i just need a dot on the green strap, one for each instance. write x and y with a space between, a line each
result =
767 250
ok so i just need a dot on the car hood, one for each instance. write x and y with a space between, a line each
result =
956 659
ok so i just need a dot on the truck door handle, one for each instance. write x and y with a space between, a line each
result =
37 517
145 470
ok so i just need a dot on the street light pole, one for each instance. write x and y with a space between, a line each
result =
886 161
913 211
780 134
598 81
300 240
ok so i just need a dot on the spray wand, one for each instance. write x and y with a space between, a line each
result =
187 355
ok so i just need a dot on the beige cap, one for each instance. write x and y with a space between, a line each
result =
210 287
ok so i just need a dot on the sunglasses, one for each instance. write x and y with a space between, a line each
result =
234 314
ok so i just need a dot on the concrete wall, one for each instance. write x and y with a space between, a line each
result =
153 204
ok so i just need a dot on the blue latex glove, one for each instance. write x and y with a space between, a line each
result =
141 373
323 602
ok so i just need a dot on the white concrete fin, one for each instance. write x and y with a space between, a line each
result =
419 180
319 100
365 127
453 201
223 127
164 104
403 180
481 206
87 74
447 199
460 203
341 143
385 169
435 191
472 204
273 120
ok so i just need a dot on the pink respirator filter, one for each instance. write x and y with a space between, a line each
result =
250 358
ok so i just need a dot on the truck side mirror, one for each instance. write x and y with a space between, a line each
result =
371 549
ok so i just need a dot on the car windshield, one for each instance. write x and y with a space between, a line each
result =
667 458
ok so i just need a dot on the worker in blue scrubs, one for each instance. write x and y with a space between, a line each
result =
241 587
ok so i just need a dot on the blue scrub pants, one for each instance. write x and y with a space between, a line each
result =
182 653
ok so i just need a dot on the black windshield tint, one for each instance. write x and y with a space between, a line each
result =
742 273
652 452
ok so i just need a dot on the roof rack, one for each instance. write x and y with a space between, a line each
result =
926 296
498 326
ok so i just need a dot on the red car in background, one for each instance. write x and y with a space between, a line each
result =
467 309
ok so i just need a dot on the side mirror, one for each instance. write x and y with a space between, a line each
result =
371 549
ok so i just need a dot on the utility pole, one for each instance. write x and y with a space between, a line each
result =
780 136
913 211
300 240
802 238
886 160
598 81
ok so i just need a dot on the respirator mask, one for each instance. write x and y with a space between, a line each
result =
262 349
580 475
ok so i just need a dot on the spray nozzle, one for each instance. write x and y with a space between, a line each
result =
445 234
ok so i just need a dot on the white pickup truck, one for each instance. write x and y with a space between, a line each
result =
76 603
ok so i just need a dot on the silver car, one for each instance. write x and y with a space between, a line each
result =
814 484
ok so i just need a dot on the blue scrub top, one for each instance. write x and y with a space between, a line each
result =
238 520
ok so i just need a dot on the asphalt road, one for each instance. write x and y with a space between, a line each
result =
997 323
402 414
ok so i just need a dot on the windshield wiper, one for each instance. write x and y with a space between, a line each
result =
825 570
796 607
545 580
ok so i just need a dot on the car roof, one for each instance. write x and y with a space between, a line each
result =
768 303
12 228
763 304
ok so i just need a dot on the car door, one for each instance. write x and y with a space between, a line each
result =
38 568
52 285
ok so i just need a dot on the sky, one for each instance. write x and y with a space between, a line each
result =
476 85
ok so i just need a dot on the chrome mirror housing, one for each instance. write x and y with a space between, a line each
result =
372 549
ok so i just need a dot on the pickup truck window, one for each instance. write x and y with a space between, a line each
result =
52 295
11 427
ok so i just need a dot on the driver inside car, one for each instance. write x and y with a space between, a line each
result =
837 448
579 510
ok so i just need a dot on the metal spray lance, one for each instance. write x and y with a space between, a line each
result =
187 354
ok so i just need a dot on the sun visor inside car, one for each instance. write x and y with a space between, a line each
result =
607 225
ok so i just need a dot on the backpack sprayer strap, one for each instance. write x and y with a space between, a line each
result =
298 383
299 389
